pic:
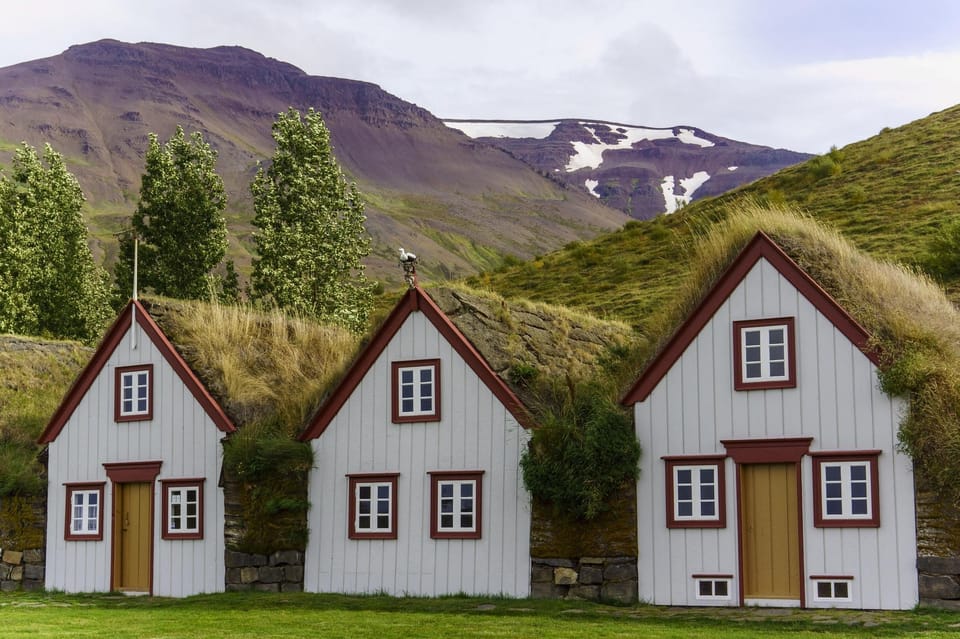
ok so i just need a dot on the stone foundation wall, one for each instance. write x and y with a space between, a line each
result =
281 571
611 579
21 569
940 581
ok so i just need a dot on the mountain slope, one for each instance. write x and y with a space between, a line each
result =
460 204
640 170
889 194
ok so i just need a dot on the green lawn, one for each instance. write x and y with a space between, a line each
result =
39 616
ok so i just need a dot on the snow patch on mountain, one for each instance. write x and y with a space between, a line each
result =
688 187
589 155
536 130
591 185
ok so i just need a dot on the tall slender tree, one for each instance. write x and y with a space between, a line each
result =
179 221
311 236
49 283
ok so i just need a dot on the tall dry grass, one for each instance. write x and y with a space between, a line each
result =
261 365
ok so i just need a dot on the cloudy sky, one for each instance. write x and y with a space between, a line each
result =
800 74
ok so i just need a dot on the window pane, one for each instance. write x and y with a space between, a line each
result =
446 521
364 507
426 405
707 509
364 492
824 590
406 392
383 492
858 490
858 473
706 475
834 508
192 523
706 492
406 406
752 354
446 506
776 336
684 476
127 392
466 521
466 506
685 493
383 522
446 490
142 406
363 521
685 509
841 590
776 352
720 588
859 507
704 588
753 371
751 338
406 376
92 498
383 507
777 369
426 375
832 473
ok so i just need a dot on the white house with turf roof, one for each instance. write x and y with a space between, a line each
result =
416 486
133 502
773 475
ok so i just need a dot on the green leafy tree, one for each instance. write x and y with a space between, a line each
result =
179 221
49 283
311 236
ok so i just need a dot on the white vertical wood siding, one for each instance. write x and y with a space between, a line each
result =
476 433
837 401
180 434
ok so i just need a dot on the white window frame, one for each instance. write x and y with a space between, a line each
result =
846 483
416 385
713 581
181 491
457 510
695 500
765 355
132 380
86 518
374 501
832 582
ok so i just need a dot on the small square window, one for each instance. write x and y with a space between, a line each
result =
845 489
373 506
695 492
183 508
832 589
84 512
416 391
764 354
134 393
455 504
713 587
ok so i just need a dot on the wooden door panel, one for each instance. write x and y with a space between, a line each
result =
133 527
770 531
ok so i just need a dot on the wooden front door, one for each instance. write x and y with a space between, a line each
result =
770 533
132 536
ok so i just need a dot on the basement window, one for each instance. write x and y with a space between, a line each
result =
713 587
832 588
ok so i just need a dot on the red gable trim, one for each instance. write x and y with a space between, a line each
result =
414 300
761 246
117 332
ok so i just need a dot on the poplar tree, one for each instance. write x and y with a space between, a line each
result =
49 282
311 236
179 222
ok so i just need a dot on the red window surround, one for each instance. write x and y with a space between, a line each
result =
717 461
355 480
68 533
118 392
398 417
166 484
739 383
438 477
868 457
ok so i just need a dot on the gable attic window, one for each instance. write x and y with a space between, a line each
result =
764 354
416 391
695 492
134 393
84 516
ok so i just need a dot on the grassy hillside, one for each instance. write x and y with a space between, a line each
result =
889 195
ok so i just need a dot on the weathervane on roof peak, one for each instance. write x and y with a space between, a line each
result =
408 261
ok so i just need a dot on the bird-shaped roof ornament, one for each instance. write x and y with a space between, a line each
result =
408 261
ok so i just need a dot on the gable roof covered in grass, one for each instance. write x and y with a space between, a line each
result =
912 328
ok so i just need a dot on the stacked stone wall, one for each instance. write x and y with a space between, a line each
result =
609 579
281 571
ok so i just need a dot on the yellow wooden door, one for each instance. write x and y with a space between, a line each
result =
770 531
133 527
